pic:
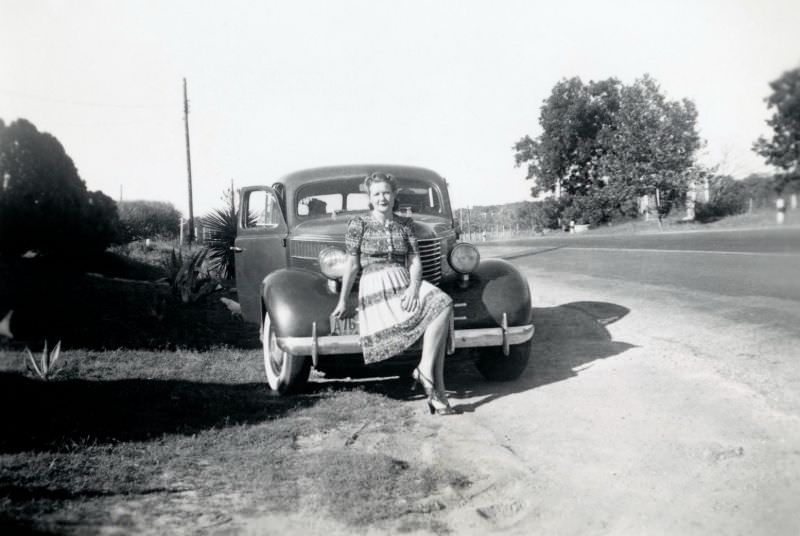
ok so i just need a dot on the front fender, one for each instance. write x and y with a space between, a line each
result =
295 299
496 287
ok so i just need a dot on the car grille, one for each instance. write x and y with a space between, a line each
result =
310 249
430 253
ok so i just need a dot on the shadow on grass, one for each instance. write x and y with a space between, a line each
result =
58 415
567 337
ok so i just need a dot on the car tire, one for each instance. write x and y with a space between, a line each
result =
286 373
494 366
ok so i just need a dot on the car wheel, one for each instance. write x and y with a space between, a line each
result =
495 366
286 373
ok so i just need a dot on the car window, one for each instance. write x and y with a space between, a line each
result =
357 201
319 205
262 210
414 196
420 199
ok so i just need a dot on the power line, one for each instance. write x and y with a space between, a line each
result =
80 103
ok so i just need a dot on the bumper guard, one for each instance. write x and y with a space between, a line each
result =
315 345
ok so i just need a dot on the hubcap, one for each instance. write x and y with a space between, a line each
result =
275 353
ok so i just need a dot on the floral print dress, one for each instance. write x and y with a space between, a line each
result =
385 329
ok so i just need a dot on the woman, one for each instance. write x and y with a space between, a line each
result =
396 307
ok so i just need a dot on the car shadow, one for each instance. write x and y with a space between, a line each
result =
51 416
568 338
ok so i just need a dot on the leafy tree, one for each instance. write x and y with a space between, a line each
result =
148 219
650 147
571 119
44 204
783 150
727 197
761 189
100 221
611 143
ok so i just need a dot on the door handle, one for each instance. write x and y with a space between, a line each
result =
236 249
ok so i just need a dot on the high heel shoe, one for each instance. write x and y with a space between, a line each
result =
419 379
440 406
437 401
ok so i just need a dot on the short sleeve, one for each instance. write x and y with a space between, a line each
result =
411 236
353 236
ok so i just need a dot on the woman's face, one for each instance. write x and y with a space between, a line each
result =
382 197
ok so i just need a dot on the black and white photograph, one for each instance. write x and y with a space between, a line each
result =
429 267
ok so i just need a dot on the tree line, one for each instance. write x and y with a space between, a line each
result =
605 147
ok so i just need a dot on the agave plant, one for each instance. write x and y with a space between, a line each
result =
186 276
45 369
220 227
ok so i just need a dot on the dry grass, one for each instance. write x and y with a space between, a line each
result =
183 440
159 419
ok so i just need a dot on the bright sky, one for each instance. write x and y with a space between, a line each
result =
451 85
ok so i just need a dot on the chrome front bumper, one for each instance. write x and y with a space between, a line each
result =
314 346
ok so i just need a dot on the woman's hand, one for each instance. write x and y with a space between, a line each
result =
339 311
410 299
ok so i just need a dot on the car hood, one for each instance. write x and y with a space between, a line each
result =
328 228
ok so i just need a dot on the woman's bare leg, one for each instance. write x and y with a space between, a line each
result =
433 348
439 366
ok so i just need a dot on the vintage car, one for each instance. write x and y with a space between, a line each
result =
290 254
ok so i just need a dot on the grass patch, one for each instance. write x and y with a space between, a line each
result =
186 440
759 218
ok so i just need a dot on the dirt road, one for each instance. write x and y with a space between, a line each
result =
672 419
644 411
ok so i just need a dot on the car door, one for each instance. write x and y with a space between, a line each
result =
260 246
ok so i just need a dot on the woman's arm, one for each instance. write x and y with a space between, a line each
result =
348 279
410 299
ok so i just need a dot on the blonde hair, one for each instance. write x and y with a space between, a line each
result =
378 177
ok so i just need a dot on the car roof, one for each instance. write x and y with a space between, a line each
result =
298 178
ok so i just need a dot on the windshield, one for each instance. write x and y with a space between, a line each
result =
336 196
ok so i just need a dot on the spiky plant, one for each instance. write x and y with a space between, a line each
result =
45 369
187 276
220 227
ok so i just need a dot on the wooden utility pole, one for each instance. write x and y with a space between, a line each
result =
188 162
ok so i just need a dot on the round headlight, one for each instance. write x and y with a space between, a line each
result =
464 258
332 262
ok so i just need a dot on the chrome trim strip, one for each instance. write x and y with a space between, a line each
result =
318 238
349 344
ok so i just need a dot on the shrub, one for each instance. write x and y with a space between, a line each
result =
587 209
727 198
44 204
148 219
547 214
538 215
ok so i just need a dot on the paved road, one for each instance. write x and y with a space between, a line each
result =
763 262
